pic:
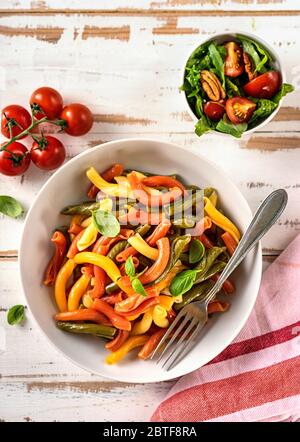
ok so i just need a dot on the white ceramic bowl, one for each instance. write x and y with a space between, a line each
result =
67 186
222 38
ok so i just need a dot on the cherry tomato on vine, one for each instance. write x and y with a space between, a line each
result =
48 153
16 161
79 119
239 109
46 102
264 86
214 110
15 117
234 63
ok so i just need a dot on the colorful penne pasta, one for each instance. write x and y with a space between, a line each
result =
123 275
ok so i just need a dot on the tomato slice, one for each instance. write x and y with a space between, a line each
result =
234 63
239 109
264 86
214 110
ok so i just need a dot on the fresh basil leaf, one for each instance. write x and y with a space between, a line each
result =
138 287
264 108
106 223
183 282
285 89
233 89
202 126
227 127
217 62
10 206
129 267
196 251
16 314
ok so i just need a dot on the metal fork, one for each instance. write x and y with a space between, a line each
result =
192 318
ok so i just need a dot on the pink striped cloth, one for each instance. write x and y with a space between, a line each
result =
257 377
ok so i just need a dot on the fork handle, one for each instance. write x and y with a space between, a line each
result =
266 215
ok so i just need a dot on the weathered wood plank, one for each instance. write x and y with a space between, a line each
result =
152 5
82 401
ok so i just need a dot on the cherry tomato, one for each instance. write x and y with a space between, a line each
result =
264 86
79 119
47 154
239 109
214 110
46 102
16 117
234 63
16 161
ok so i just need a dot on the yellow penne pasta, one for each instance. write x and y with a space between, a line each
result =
132 318
77 292
88 238
148 189
177 299
213 198
86 222
221 220
142 247
60 284
160 316
104 262
166 301
106 187
87 300
144 324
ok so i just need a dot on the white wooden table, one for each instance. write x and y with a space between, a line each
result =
124 60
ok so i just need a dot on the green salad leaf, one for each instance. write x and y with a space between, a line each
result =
199 53
233 89
9 206
203 125
193 78
222 51
264 108
16 314
199 106
258 53
227 127
285 89
217 61
106 223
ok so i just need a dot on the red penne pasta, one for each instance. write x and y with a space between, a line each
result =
57 260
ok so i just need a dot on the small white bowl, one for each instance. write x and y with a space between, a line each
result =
227 36
68 186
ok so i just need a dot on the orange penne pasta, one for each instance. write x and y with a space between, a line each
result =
160 264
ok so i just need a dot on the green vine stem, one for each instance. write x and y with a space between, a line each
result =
34 123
